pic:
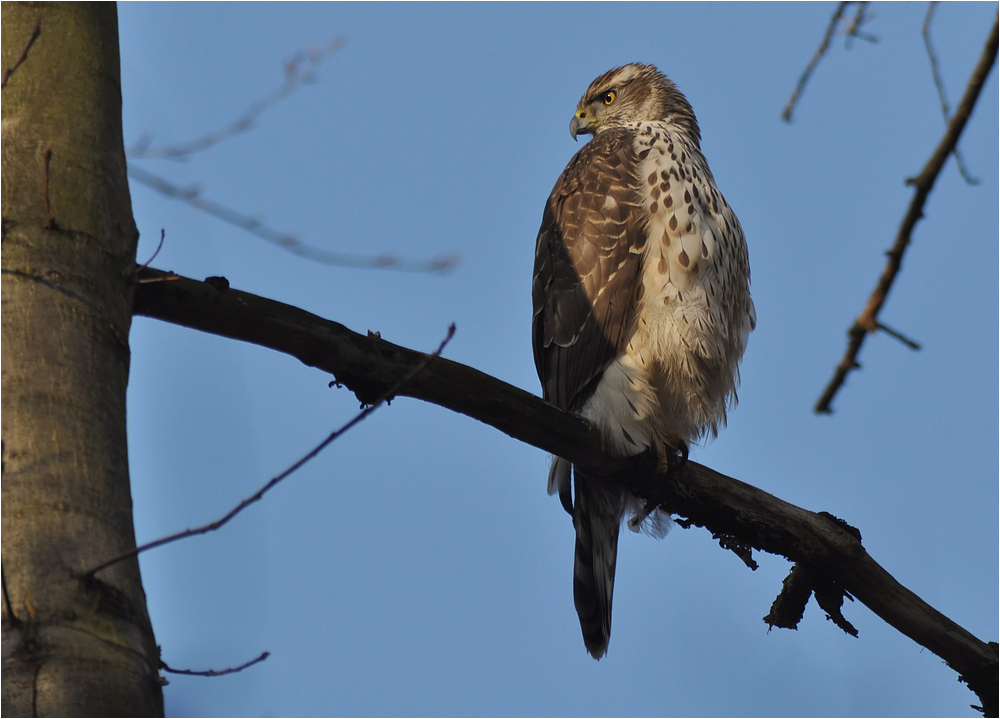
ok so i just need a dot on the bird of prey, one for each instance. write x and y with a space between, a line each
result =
642 308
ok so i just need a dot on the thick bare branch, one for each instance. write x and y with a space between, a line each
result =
369 366
867 322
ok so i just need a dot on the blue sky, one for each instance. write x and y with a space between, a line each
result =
417 567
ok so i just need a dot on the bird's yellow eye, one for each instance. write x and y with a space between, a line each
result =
609 97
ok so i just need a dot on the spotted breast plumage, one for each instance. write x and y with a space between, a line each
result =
642 306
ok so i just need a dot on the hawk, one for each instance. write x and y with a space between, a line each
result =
642 308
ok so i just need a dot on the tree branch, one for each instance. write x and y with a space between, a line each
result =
215 672
369 366
867 321
285 240
853 30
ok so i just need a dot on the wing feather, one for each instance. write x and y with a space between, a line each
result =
588 265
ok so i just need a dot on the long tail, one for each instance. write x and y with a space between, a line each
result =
597 516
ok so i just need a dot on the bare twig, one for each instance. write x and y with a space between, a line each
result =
786 114
295 77
867 322
214 672
861 16
939 84
852 31
24 55
163 236
723 505
298 71
899 336
286 241
388 394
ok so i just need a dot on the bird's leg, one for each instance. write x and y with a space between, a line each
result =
671 451
671 454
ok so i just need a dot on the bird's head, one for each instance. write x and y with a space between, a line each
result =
632 93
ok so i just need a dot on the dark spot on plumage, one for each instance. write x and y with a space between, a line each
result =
690 209
704 249
668 201
654 208
693 269
696 194
664 175
673 171
684 156
687 196
666 242
655 192
651 179
643 154
673 222
661 266
689 228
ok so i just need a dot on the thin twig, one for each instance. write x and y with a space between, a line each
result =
867 321
212 526
939 84
786 114
852 31
286 241
898 335
214 672
24 55
163 236
295 77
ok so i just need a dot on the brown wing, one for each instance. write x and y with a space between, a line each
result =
588 265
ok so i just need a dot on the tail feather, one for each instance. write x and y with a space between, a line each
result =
597 517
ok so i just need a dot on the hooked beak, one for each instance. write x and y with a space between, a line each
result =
581 124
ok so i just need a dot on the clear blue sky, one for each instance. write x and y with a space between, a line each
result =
418 566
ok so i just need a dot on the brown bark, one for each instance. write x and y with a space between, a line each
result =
70 647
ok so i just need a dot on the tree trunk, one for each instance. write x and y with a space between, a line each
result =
70 646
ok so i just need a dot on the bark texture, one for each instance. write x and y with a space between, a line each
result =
71 646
